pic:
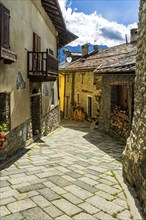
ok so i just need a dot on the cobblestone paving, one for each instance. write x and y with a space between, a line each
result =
73 173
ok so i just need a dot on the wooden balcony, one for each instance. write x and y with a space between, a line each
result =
42 66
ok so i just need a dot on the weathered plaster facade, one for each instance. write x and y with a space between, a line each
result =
26 18
134 166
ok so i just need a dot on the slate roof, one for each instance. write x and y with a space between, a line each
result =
125 64
116 56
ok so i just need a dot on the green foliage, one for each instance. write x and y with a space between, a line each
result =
3 128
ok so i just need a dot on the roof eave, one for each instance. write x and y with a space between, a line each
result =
53 10
114 73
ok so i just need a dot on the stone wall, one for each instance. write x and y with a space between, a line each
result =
81 85
134 166
50 121
21 136
17 139
105 106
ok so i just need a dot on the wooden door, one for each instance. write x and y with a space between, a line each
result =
67 107
36 113
89 107
37 56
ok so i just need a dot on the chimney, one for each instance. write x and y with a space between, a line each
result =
133 35
95 48
67 52
85 49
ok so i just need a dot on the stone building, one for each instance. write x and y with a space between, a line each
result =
80 89
134 166
30 34
116 108
83 85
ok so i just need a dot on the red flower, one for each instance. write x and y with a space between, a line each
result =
1 144
2 139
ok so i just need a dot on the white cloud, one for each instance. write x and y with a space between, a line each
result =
93 27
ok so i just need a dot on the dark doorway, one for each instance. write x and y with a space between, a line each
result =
89 106
36 113
67 106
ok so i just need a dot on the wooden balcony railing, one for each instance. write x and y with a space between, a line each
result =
42 66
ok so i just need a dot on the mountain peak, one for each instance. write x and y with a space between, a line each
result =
76 49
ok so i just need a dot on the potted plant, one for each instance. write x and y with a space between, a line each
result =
3 130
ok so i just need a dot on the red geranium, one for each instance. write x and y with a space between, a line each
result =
3 129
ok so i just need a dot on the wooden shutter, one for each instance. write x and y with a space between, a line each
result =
4 27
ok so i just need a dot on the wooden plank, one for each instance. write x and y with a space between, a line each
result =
42 78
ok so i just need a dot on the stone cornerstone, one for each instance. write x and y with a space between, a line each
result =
134 164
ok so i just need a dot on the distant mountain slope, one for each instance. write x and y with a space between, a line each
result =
76 49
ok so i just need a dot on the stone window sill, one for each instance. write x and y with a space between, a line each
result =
7 55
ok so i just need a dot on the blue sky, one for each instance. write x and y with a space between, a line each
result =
122 11
101 21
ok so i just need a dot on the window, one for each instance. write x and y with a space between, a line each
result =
5 109
5 52
119 96
36 56
36 43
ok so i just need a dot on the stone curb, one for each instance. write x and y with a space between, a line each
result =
135 208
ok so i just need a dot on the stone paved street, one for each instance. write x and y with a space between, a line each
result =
73 173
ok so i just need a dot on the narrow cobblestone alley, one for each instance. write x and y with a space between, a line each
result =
73 173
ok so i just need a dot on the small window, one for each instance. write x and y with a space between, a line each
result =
52 101
5 109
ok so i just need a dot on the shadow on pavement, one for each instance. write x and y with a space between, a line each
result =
13 158
111 146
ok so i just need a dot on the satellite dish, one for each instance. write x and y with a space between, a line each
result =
69 59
